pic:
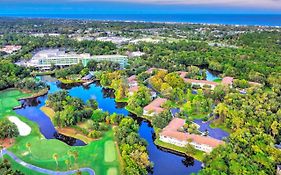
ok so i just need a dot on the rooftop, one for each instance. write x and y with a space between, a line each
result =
133 89
183 74
150 70
132 78
171 130
155 105
227 80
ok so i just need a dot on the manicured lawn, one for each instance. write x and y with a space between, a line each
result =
92 155
217 80
9 100
199 155
109 151
42 150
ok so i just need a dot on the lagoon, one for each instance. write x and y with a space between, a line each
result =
165 163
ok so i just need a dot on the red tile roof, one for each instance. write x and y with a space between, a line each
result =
254 83
187 80
132 78
155 105
134 89
227 80
171 130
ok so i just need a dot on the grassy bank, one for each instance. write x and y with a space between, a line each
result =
35 94
70 81
41 151
9 100
49 112
198 155
68 131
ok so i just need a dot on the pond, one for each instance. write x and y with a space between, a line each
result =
213 132
211 76
165 163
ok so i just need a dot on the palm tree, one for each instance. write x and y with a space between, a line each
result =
55 157
75 155
67 163
28 146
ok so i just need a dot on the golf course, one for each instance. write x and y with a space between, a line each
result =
9 100
33 148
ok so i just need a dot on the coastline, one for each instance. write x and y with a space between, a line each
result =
101 18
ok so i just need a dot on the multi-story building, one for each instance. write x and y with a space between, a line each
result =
171 134
154 107
45 58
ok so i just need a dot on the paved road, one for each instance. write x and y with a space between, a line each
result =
42 170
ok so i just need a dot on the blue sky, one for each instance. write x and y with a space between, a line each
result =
140 6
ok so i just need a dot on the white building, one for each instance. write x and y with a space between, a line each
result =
171 134
154 108
45 58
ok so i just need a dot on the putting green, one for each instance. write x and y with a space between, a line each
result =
112 171
100 155
109 151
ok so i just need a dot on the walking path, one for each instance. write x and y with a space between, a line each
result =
42 170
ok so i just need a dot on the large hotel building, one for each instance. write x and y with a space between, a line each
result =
45 58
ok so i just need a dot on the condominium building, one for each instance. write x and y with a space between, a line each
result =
171 134
154 108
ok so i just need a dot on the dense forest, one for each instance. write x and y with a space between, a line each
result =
254 120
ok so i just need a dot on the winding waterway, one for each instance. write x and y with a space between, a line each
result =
165 163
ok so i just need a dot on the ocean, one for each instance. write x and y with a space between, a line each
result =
227 19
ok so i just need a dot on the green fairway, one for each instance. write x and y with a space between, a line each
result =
41 151
109 151
9 100
92 156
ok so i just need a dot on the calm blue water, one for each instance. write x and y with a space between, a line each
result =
232 19
211 76
213 132
165 163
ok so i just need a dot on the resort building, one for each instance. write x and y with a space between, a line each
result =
132 81
154 107
171 134
227 81
201 83
10 49
132 90
135 54
45 58
151 70
114 39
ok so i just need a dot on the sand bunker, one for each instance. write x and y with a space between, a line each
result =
23 128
